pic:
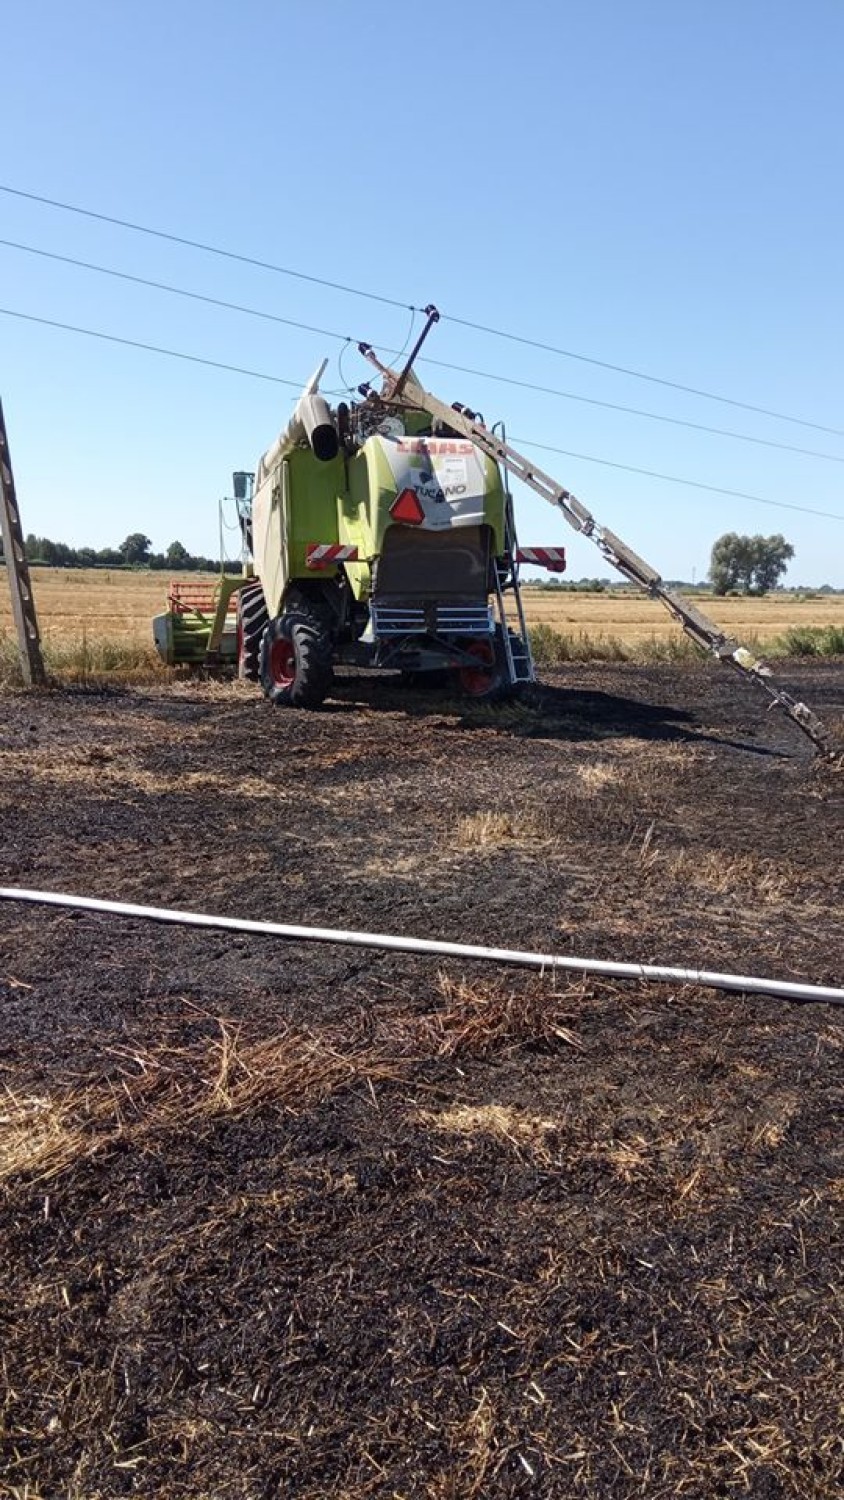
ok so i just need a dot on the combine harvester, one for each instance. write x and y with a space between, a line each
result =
382 534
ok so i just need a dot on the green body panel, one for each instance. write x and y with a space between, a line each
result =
356 525
297 503
313 506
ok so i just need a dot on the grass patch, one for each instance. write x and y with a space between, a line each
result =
553 648
762 881
156 1090
489 829
808 640
88 660
94 659
522 1131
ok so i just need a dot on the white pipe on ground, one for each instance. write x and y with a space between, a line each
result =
654 973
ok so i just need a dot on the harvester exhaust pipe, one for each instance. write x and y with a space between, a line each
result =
311 422
312 419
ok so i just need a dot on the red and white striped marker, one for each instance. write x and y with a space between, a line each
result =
325 554
552 558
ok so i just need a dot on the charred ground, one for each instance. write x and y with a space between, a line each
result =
287 1220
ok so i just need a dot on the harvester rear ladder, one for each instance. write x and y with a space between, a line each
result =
517 652
694 622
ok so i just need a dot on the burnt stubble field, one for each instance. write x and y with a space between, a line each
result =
294 1220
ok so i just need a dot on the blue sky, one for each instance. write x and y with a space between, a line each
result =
654 185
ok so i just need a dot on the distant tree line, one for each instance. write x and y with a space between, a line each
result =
748 564
135 552
739 564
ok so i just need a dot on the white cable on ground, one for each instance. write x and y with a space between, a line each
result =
654 973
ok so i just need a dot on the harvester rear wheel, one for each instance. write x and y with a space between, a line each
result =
296 670
252 619
490 679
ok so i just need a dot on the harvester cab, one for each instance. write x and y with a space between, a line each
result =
243 487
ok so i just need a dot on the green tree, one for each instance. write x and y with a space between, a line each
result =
178 556
748 564
136 548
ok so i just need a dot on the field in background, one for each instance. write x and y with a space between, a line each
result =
634 619
94 600
120 606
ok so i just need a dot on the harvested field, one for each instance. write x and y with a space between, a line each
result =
633 619
114 603
279 1220
120 605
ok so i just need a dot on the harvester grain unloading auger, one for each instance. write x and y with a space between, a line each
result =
402 389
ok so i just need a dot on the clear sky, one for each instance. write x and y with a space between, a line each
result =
654 185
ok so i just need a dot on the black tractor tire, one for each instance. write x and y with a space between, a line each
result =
252 621
296 659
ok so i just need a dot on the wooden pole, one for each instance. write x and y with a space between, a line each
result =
17 570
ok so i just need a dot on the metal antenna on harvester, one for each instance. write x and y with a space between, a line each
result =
17 570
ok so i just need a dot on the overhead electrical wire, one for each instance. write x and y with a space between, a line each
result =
347 339
674 385
216 364
695 484
634 411
485 328
112 338
177 291
179 239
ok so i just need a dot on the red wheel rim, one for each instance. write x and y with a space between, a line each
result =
478 680
282 663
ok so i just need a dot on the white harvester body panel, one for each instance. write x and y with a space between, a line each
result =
447 475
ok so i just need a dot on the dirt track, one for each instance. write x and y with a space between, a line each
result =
286 1220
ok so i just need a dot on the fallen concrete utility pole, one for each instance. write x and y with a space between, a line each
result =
550 962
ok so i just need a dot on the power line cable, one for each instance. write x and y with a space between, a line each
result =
111 338
695 484
177 291
217 364
635 411
674 385
484 328
178 239
347 339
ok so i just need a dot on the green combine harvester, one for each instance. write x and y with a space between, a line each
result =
381 535
374 538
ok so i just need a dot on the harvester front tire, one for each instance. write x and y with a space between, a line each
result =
296 669
252 620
